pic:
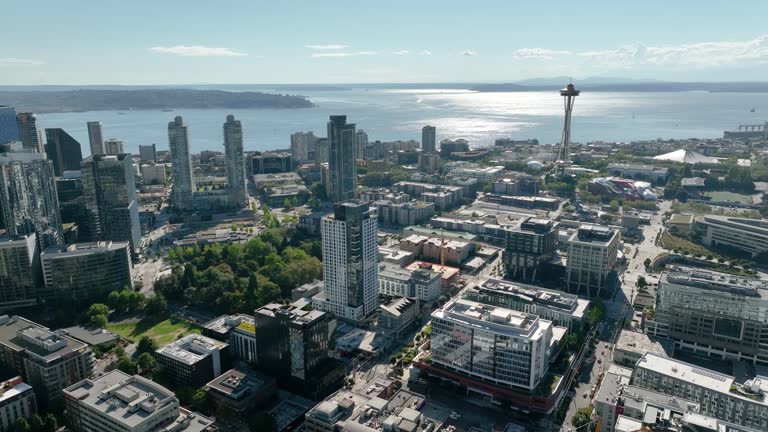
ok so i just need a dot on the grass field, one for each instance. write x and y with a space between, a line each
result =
729 196
671 242
162 331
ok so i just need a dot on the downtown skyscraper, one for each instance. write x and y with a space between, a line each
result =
181 160
63 150
342 166
235 162
109 188
31 138
428 137
28 201
350 261
8 130
96 138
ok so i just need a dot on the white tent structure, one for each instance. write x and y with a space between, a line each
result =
686 156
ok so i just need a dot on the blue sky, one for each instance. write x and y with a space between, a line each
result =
193 41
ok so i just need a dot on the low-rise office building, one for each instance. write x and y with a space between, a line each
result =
398 316
592 257
631 346
718 395
713 314
294 345
421 283
194 359
239 331
87 270
240 391
153 174
379 404
48 359
404 214
452 252
118 402
564 310
270 163
17 400
636 171
492 344
617 400
529 245
749 236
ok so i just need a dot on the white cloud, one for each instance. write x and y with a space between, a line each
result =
343 54
401 52
326 47
425 52
197 51
14 61
538 53
468 53
701 54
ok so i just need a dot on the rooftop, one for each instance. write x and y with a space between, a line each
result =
398 305
294 312
236 383
686 372
131 400
493 318
90 334
223 324
534 294
596 234
21 334
78 249
715 281
191 348
640 343
13 387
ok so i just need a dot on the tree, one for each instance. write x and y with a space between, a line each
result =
582 417
156 305
647 263
98 309
126 365
99 320
146 361
50 423
287 204
146 345
614 206
22 425
641 282
200 400
36 423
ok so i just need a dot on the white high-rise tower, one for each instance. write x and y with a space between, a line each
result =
235 162
183 183
350 261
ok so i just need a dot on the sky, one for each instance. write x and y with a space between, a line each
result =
239 42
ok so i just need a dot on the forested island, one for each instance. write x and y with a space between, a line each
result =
145 99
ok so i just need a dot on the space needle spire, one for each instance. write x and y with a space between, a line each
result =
569 94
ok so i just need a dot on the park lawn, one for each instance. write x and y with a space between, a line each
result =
163 331
668 241
729 196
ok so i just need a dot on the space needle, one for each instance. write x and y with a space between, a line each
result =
569 94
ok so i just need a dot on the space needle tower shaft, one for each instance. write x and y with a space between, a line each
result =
569 94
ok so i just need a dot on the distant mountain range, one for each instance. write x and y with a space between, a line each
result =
157 98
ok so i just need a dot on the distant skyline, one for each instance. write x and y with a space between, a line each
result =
197 42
